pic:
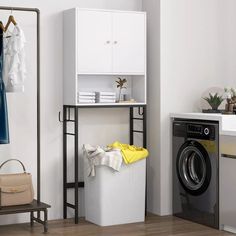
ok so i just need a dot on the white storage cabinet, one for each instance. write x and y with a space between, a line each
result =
105 44
110 42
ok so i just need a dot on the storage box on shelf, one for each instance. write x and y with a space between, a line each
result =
101 45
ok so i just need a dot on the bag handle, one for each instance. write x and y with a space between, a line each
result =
13 160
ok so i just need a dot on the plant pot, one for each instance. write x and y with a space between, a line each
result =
211 111
229 107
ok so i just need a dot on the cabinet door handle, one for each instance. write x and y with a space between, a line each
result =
115 42
108 42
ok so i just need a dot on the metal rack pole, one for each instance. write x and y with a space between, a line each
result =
37 11
145 127
131 125
76 166
64 162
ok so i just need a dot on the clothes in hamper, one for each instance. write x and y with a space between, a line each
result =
98 156
130 153
14 62
4 128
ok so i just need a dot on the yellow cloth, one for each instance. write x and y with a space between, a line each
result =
130 153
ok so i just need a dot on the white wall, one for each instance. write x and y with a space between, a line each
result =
153 74
190 63
98 126
228 41
197 52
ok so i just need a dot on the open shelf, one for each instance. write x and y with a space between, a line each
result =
33 207
135 89
101 105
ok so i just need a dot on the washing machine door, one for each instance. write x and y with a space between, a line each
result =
193 167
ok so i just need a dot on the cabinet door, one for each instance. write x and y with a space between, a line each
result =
228 182
94 49
129 43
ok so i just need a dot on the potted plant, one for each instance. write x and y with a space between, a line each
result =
121 84
214 100
230 94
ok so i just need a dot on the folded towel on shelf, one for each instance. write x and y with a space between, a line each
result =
86 93
105 93
86 100
86 97
106 97
105 100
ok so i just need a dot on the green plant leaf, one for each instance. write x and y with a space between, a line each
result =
214 101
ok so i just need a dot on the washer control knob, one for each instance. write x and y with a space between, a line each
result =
206 131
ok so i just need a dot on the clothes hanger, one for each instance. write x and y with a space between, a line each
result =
2 27
12 20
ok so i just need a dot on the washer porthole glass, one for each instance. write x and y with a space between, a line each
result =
193 167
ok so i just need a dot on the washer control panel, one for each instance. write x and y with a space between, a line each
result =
194 130
201 131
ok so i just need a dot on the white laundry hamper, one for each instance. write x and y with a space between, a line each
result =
113 198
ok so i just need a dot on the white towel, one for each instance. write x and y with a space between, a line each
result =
86 97
86 100
98 156
106 93
105 100
106 97
86 93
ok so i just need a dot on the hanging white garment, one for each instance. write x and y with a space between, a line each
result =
14 69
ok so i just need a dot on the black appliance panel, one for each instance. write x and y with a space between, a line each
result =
195 171
194 130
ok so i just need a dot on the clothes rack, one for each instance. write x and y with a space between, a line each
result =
37 206
68 119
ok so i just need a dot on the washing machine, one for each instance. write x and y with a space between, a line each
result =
196 171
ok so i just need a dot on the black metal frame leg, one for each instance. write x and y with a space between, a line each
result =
76 166
37 219
31 218
45 220
131 126
64 161
144 127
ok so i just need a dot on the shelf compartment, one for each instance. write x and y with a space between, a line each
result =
136 87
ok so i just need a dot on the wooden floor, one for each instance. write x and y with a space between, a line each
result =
154 225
